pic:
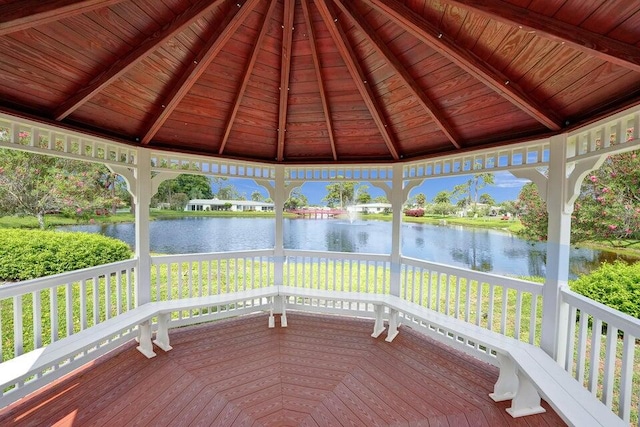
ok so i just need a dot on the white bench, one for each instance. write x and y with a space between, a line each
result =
15 372
526 371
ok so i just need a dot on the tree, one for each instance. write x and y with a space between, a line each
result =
442 197
485 198
257 196
608 207
191 186
296 199
468 191
421 199
32 184
340 193
381 199
362 194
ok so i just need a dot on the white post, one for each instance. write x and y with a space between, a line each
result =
554 313
397 198
142 198
279 197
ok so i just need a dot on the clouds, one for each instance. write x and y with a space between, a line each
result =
507 180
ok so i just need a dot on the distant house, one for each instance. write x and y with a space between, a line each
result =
371 207
228 205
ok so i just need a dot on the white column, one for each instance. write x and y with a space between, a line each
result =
279 197
397 198
142 198
554 313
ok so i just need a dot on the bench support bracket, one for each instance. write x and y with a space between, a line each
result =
393 325
378 327
162 336
526 400
144 339
507 385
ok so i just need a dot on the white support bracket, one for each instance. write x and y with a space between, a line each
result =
378 327
526 400
162 335
507 385
393 325
144 339
278 305
127 173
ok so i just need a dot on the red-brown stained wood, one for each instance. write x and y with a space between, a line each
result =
321 370
109 66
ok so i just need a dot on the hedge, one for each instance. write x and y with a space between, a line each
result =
27 254
616 285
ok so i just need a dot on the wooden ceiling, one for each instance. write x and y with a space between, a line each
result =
302 81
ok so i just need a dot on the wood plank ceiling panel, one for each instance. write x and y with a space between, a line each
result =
309 131
256 123
350 113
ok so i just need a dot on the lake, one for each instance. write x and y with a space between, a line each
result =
478 249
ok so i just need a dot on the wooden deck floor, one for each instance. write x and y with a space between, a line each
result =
320 371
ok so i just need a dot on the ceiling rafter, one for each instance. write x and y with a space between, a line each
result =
349 9
23 15
359 78
124 64
467 60
246 76
224 31
316 64
285 72
598 45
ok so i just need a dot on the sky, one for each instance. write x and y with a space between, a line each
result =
506 187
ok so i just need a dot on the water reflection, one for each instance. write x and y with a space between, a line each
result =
478 249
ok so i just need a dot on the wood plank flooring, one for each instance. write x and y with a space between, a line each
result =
320 371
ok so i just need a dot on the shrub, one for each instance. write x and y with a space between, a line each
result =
27 254
616 285
414 212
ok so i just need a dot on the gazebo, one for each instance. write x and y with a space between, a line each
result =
284 92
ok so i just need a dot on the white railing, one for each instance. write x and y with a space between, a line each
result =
35 313
510 306
336 271
195 275
602 352
47 309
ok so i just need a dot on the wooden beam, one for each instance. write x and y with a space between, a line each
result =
285 72
316 64
224 31
348 55
424 31
594 44
246 76
22 15
349 9
120 67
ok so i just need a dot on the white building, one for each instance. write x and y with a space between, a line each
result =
228 205
371 207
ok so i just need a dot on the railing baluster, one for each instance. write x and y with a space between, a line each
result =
571 334
119 291
54 313
490 308
69 309
37 320
458 296
582 346
609 366
533 316
626 377
18 344
516 333
478 302
107 296
83 304
503 315
96 303
594 358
